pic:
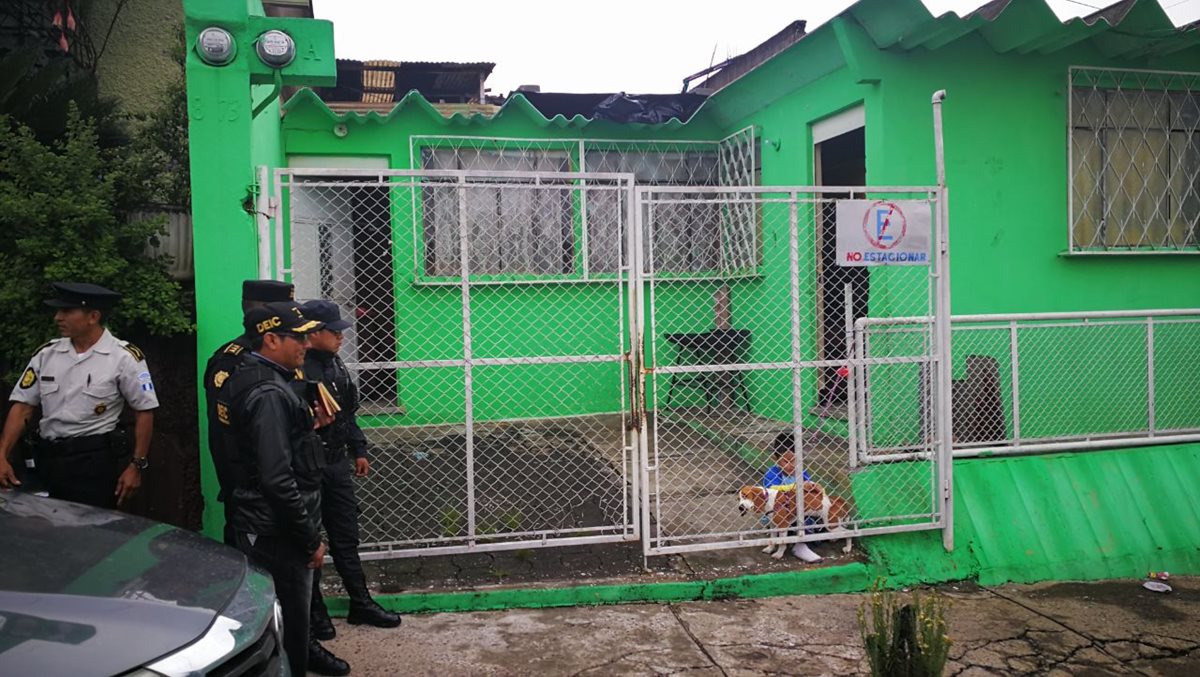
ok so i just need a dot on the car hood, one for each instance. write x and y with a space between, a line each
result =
81 586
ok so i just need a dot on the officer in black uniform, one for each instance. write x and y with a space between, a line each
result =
274 461
255 294
342 439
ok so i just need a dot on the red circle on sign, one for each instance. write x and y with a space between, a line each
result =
884 229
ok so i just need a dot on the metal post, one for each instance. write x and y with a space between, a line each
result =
1015 362
583 218
468 385
636 273
262 209
279 269
851 368
1151 416
637 457
797 395
945 399
860 388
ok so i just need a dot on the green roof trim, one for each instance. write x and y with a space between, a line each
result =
516 106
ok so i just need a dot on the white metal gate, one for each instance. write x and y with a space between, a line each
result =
491 348
541 354
750 352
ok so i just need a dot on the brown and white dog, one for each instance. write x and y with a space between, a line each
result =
779 504
827 511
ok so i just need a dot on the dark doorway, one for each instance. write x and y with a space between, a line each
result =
840 161
357 272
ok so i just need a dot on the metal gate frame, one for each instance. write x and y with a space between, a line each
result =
276 261
633 287
939 450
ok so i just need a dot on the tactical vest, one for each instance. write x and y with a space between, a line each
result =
308 457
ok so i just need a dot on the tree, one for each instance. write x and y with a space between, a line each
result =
61 212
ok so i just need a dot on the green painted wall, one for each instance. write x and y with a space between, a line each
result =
226 144
1007 168
508 320
1006 164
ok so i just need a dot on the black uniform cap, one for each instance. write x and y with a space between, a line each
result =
82 295
327 313
278 318
268 291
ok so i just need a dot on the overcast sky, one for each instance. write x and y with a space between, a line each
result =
635 46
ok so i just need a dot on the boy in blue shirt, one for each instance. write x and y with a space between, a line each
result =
783 473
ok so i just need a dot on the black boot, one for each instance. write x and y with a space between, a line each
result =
366 611
323 662
319 624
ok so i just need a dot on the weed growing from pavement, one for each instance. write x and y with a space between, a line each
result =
904 635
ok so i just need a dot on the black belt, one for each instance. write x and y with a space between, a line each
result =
76 445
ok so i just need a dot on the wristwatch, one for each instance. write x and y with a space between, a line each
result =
140 462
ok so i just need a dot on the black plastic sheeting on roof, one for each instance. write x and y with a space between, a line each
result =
620 107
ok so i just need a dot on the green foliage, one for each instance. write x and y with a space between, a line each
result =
454 523
62 207
904 638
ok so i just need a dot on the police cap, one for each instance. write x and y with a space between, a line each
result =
279 318
267 291
327 313
82 295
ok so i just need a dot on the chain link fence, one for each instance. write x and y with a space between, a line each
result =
501 388
1029 383
494 366
750 372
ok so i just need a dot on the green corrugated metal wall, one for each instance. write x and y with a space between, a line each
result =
1074 516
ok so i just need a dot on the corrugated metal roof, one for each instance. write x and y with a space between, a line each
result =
1126 29
743 63
383 81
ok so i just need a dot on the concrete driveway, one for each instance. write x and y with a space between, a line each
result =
1112 627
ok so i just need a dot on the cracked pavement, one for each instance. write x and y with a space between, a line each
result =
1104 628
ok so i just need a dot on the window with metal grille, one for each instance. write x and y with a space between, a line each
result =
1134 161
512 229
576 231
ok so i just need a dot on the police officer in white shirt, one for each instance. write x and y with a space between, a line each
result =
81 382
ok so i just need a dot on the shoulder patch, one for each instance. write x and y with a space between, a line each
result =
233 349
218 379
28 378
135 351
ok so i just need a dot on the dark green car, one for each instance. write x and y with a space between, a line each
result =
85 591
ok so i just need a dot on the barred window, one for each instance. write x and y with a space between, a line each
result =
548 233
511 230
688 241
1134 160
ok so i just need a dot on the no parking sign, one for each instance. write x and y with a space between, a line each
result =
883 232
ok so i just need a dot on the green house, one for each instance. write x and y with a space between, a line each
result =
572 329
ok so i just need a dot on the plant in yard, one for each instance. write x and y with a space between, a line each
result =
454 523
904 636
63 215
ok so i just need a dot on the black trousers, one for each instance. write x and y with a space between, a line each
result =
83 476
229 536
288 565
339 515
